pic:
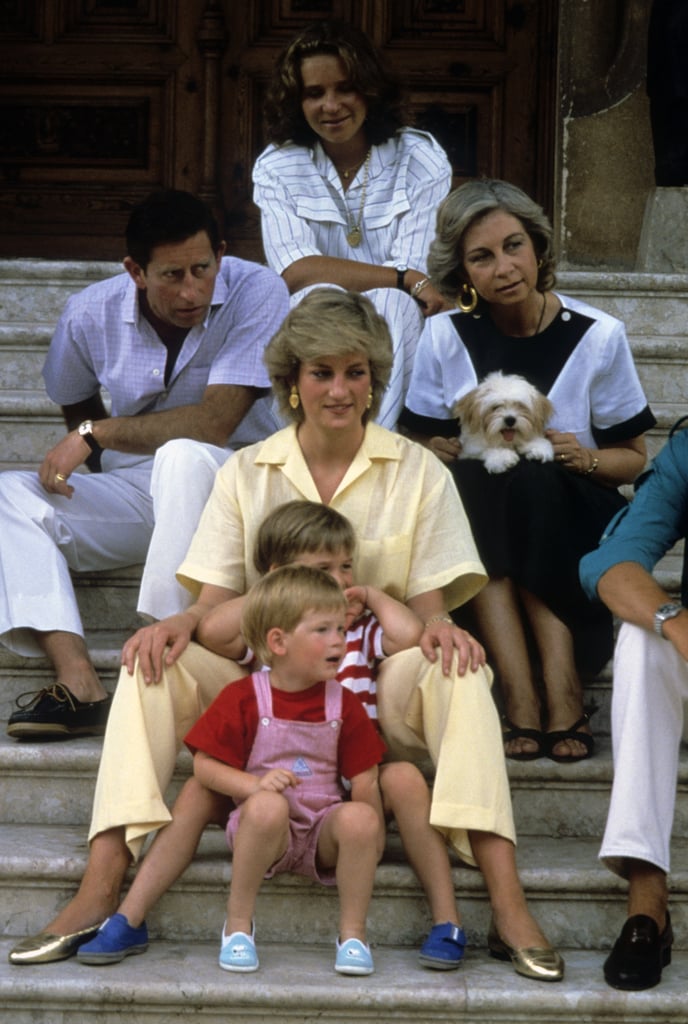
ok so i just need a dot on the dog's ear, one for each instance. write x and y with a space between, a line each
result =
467 411
543 410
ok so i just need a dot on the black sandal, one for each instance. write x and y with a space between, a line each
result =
551 740
513 732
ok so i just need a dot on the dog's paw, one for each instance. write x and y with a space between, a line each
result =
539 448
498 460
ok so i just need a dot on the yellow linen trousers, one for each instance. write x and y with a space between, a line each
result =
421 712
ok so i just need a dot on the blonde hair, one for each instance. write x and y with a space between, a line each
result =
467 205
282 599
329 322
298 528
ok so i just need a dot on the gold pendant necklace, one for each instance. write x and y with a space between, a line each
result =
355 234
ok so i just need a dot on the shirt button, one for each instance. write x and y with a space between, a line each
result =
156 373
265 721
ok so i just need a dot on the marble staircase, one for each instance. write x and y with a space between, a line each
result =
46 790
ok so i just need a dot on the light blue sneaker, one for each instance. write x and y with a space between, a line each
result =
353 957
115 939
238 953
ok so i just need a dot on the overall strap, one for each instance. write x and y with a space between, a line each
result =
333 701
261 688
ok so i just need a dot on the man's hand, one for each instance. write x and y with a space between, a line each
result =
61 461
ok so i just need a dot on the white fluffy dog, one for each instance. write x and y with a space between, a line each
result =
503 418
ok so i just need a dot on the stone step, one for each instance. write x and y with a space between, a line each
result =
53 782
177 982
35 291
578 902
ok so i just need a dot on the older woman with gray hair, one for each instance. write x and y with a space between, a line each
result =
492 255
329 364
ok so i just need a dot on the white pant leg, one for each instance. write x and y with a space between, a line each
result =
145 730
181 482
649 693
405 322
455 720
105 524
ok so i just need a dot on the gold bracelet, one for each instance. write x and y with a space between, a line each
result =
593 467
419 286
439 618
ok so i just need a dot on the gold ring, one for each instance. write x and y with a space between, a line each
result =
61 477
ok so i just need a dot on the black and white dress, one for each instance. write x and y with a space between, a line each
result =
533 523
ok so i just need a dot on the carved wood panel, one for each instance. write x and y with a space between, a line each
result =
102 100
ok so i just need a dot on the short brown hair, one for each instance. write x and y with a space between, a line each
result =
298 528
282 598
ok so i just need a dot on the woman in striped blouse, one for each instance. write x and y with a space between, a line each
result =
347 194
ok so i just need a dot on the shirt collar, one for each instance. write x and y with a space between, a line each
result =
283 450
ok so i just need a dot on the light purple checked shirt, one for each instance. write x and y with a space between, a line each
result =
103 342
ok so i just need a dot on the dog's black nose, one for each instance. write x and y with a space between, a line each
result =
509 421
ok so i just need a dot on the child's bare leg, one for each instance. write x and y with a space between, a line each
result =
406 795
173 848
261 839
349 841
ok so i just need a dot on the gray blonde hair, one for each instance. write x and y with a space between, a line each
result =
329 322
463 208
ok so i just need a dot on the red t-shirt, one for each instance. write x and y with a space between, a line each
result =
227 729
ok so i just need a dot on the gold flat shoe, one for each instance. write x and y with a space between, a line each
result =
47 948
542 963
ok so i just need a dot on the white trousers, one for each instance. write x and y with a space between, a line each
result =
422 712
181 482
648 721
405 322
107 523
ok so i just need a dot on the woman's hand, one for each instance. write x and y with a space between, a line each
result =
431 301
161 642
447 449
443 633
570 452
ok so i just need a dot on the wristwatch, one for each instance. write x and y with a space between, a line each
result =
85 430
401 269
664 612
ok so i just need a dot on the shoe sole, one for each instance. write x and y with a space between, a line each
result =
45 731
439 964
94 959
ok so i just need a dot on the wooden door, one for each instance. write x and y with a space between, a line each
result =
103 100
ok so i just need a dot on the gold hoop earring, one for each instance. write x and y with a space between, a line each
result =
468 298
369 400
294 400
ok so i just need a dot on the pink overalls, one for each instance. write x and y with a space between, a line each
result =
309 750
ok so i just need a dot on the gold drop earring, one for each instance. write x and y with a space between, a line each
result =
294 400
468 298
369 400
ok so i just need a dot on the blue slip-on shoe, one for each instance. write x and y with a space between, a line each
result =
115 940
444 947
238 953
353 957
